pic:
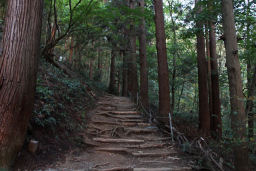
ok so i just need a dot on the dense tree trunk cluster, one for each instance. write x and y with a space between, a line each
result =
128 38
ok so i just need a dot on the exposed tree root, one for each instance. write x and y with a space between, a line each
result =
109 140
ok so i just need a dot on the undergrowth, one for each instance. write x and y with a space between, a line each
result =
187 123
58 99
59 116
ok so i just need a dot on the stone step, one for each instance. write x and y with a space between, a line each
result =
119 140
124 112
153 154
164 169
122 116
140 131
145 146
113 149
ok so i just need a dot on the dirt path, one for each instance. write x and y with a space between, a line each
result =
118 138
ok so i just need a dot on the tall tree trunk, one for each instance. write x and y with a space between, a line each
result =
2 10
175 53
204 114
132 70
71 50
119 81
249 105
238 115
207 43
91 69
163 76
52 34
251 75
195 101
181 93
99 64
49 23
21 46
143 62
216 123
125 75
111 87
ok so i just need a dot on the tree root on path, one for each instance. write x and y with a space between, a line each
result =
115 169
110 140
163 154
100 165
143 146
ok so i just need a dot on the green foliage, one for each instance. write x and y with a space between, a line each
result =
190 117
99 28
2 169
56 96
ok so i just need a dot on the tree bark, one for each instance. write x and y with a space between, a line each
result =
125 75
180 95
204 114
238 115
175 53
249 105
71 50
132 69
251 75
163 75
207 43
99 64
119 82
91 69
21 46
143 62
216 123
111 87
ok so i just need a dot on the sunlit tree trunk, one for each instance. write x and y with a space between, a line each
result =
18 69
238 115
204 114
143 62
163 76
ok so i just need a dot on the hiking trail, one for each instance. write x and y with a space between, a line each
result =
118 138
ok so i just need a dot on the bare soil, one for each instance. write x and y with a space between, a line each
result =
118 138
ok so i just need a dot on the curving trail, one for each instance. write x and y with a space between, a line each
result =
119 139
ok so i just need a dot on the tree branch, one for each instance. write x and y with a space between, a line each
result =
53 43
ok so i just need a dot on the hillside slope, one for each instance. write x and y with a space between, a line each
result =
60 109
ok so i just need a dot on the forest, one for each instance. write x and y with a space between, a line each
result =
108 81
